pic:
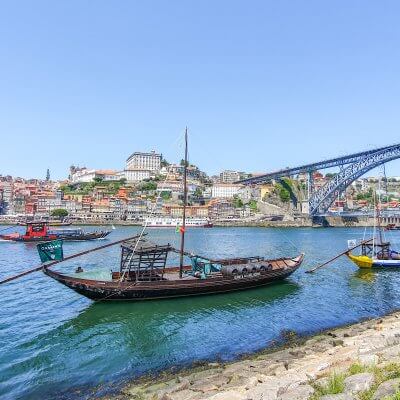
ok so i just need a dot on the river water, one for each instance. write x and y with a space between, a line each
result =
56 344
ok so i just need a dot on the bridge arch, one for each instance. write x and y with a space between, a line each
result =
323 198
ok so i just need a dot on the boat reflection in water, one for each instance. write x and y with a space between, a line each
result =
164 334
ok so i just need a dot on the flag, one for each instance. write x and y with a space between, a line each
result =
351 243
51 251
179 229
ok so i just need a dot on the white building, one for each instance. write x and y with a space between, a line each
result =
137 175
144 161
224 190
85 175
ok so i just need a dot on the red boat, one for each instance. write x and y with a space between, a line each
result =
40 232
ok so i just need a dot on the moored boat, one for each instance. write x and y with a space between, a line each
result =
40 232
392 227
376 252
143 275
175 223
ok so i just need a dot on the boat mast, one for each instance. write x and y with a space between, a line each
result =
184 206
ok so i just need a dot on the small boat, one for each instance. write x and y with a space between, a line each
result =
175 223
376 255
376 252
40 232
392 227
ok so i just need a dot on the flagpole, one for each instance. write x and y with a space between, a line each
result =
184 207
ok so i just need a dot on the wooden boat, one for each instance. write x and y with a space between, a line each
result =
143 275
392 227
376 252
40 232
49 223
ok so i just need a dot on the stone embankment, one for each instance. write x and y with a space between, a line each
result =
361 361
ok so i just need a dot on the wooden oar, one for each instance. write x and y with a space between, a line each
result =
50 264
336 257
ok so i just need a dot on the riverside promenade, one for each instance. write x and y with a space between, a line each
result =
361 361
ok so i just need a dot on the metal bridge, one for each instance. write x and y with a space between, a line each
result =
351 166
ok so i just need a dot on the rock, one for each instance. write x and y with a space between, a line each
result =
337 342
229 395
300 392
165 396
183 395
358 382
182 385
387 388
322 382
323 366
368 359
339 396
263 391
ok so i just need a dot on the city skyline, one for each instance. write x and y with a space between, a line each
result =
261 87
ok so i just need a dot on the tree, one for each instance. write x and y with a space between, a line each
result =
59 213
237 202
98 179
123 181
198 192
47 175
147 186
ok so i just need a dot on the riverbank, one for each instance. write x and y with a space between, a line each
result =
360 361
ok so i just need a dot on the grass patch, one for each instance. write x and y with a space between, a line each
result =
357 368
335 385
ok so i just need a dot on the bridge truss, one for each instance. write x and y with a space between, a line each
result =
351 166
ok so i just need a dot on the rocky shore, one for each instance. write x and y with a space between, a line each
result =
361 361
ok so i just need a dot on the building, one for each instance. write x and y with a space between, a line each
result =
224 190
228 176
144 161
85 175
176 211
137 175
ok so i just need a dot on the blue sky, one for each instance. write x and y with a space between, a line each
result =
261 84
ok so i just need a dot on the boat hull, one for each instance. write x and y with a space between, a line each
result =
367 262
139 291
48 238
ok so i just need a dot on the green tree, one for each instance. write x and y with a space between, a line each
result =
166 195
148 186
198 192
98 179
237 202
59 213
123 181
253 205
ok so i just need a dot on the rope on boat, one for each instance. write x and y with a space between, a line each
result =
52 263
337 256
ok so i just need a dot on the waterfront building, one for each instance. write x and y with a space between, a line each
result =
176 210
144 161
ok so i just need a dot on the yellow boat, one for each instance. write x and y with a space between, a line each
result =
361 261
